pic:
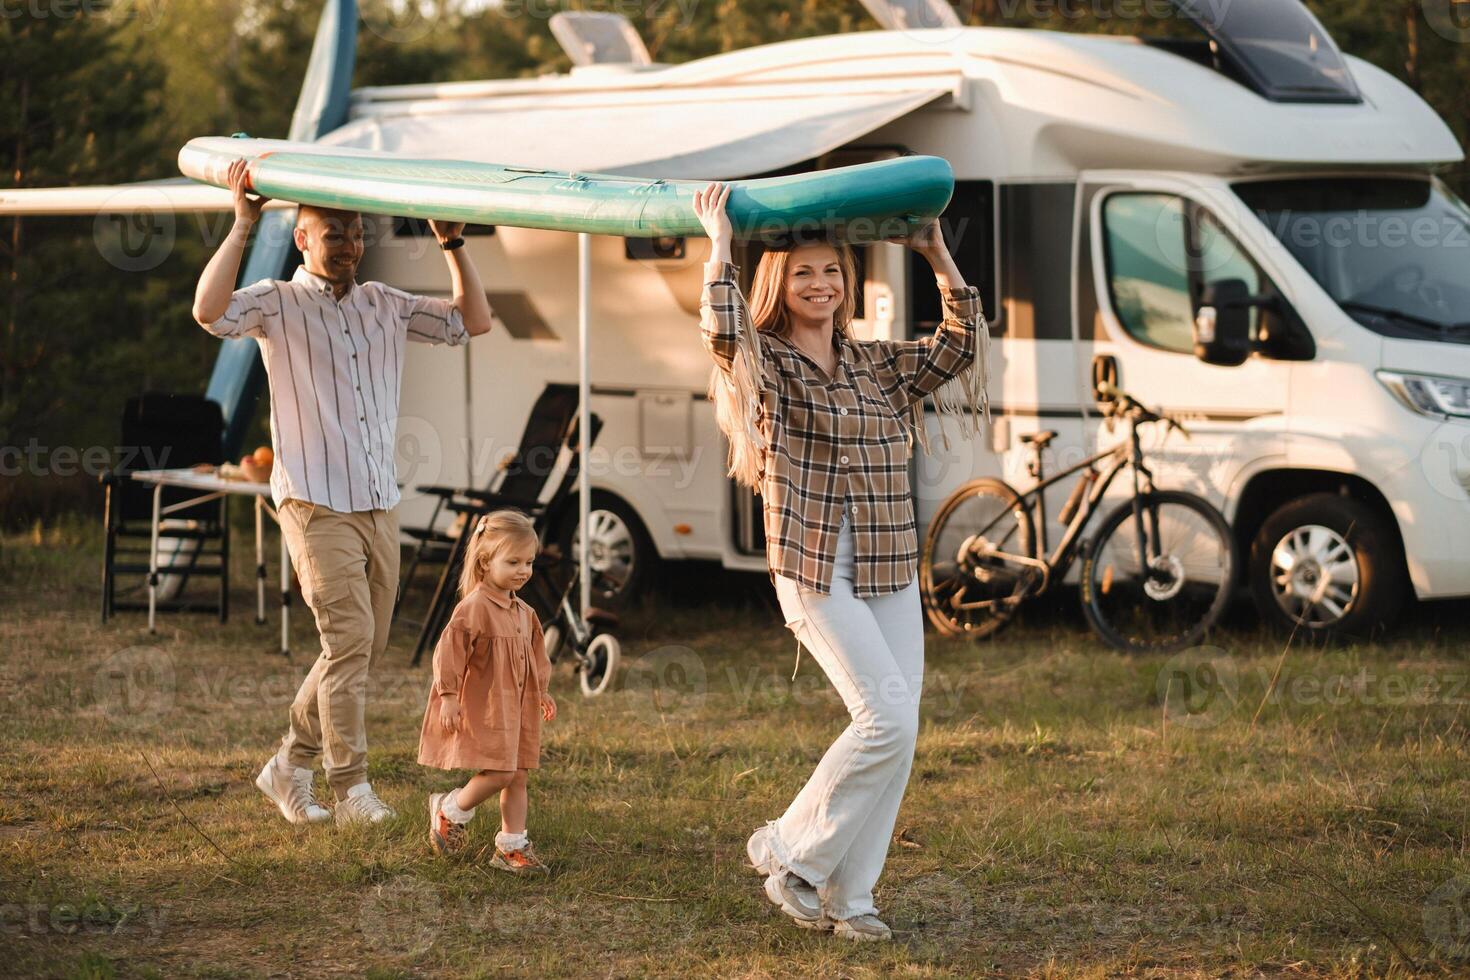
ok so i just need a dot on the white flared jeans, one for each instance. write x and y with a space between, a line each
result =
835 834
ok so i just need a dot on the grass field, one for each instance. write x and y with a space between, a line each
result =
1072 812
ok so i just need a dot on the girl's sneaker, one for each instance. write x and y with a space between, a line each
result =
521 861
445 836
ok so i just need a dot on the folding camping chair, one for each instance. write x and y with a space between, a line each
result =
523 475
468 505
163 431
549 445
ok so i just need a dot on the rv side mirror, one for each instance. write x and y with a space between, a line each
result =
1222 323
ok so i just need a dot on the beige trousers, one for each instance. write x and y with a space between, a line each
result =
347 564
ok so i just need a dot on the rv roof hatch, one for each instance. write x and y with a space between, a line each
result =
1276 47
593 38
912 15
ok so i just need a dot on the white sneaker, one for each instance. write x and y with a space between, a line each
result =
363 806
759 851
795 897
862 928
290 789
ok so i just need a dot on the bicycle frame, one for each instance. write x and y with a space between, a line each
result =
1127 454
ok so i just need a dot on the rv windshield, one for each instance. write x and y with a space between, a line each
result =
1393 252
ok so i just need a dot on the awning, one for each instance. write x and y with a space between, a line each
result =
691 134
151 196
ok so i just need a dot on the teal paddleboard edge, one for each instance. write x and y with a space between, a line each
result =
861 203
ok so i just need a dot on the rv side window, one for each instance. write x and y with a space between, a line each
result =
1148 272
969 231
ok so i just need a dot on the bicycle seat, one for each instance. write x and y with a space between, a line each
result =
1040 439
602 617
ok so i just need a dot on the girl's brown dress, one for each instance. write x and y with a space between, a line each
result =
493 657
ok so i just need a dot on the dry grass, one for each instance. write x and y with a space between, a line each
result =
1057 823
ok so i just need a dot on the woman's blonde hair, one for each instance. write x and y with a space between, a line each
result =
738 393
492 532
768 306
731 396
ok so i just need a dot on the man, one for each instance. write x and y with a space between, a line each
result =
333 350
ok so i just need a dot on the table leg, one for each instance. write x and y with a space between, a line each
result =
259 560
153 557
285 598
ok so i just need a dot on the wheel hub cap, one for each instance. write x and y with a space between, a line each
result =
1315 575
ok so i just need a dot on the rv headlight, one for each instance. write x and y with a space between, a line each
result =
1429 394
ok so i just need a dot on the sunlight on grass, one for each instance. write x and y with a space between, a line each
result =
1072 812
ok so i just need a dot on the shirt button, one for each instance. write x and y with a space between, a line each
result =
362 418
844 411
843 459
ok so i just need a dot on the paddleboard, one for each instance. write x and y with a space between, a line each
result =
862 203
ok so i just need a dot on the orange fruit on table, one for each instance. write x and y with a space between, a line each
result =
263 456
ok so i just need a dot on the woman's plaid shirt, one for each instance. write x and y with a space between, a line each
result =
844 441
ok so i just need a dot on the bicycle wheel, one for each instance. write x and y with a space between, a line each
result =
599 664
969 588
1158 584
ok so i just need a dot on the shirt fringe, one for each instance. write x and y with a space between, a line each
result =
736 395
964 397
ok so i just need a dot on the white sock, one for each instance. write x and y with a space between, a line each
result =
510 842
449 806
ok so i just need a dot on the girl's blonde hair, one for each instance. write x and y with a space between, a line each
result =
492 532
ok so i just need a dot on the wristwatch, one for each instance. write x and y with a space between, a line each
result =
452 244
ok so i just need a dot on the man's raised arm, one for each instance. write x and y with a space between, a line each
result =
469 295
217 284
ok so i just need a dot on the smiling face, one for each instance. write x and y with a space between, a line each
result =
813 289
331 243
510 567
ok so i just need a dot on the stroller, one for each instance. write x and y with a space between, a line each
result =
588 640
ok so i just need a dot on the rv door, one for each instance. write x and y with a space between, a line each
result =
1152 248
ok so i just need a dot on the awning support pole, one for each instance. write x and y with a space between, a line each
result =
584 412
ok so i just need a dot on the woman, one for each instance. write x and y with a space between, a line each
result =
822 425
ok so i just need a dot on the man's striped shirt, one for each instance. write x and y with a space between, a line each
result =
335 369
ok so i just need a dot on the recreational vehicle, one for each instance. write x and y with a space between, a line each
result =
1244 230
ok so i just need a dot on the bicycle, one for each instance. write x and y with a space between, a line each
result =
595 650
1156 576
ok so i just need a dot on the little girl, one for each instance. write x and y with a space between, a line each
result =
489 694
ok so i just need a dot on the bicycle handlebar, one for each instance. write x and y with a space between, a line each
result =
1140 412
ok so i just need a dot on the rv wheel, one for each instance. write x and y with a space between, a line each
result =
1327 564
621 553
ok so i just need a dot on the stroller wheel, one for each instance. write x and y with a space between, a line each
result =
599 664
551 636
